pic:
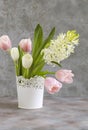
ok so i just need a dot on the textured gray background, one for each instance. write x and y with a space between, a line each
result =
18 19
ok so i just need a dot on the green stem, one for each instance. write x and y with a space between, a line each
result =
30 70
27 73
16 68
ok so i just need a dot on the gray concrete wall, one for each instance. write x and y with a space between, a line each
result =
18 19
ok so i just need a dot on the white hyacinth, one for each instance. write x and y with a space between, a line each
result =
61 48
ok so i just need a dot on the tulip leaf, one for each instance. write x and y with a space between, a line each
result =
38 60
41 73
21 53
38 45
50 36
37 68
38 39
46 41
56 63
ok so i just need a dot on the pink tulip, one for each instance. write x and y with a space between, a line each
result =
26 45
5 43
65 76
52 85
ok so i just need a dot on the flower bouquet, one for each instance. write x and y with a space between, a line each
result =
30 57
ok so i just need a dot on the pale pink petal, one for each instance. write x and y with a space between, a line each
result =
52 85
26 45
5 42
69 80
64 76
49 81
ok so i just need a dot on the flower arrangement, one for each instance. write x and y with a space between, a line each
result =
30 57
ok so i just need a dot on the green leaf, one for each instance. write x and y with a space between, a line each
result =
21 53
38 45
50 36
38 68
38 39
56 63
45 73
38 60
38 56
47 41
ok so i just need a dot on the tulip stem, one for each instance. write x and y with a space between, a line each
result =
16 69
27 73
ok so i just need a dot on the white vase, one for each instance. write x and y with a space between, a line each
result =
30 92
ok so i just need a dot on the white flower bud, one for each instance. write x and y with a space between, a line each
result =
15 53
27 61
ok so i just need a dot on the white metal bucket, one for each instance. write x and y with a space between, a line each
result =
30 96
